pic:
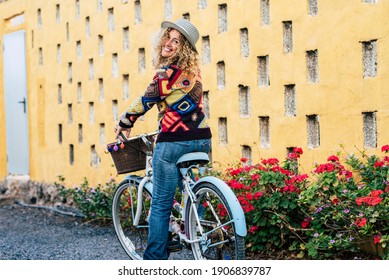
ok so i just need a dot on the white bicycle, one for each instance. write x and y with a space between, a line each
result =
206 219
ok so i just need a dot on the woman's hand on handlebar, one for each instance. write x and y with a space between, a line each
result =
118 129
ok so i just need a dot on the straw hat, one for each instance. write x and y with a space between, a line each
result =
186 28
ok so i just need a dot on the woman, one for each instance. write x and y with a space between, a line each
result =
177 91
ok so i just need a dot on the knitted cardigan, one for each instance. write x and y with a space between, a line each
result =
178 97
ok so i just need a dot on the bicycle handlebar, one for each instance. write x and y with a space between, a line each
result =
142 136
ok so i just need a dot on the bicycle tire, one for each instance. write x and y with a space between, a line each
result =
220 243
132 238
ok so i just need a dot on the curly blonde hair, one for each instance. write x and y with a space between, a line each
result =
185 57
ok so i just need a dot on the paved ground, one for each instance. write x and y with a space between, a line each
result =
39 234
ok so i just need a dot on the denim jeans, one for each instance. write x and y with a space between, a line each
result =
166 178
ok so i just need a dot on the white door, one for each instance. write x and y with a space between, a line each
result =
15 94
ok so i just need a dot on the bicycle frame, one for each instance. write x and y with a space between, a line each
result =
188 185
146 181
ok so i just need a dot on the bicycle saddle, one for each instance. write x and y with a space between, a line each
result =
192 159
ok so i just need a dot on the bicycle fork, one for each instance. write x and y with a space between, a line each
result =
144 183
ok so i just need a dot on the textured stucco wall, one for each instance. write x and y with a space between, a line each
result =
338 96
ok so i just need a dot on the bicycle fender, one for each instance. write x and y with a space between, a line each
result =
236 208
146 182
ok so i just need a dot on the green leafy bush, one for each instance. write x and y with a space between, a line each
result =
333 211
93 202
344 210
268 193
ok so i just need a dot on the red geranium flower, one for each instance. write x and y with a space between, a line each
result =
254 184
366 200
360 222
298 151
258 195
253 229
236 185
305 223
280 170
237 171
255 177
328 167
375 200
248 208
222 210
379 164
376 193
377 239
385 148
359 200
249 196
243 159
333 158
270 161
300 177
293 156
347 174
335 201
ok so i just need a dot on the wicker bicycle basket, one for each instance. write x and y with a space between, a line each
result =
129 157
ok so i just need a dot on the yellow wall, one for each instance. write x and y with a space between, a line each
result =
339 98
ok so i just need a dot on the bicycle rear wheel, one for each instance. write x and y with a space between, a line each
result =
125 200
219 240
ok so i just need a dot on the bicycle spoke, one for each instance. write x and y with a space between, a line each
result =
132 238
218 240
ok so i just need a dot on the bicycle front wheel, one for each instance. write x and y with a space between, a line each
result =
215 229
133 238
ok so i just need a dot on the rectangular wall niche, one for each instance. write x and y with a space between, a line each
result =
312 66
312 7
369 54
206 104
265 12
244 42
246 153
222 18
290 101
206 48
313 128
223 139
288 36
141 60
221 75
71 154
244 101
263 71
264 132
369 129
60 133
102 134
138 12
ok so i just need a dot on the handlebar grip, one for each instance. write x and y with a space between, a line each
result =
123 136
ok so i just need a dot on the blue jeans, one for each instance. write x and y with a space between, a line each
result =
166 178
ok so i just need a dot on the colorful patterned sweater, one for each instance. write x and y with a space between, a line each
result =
179 100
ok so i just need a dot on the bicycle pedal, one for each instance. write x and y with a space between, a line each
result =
174 246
